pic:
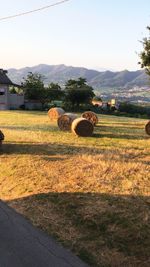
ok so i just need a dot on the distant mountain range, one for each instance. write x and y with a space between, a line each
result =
99 80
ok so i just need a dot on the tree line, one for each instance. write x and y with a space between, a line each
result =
75 92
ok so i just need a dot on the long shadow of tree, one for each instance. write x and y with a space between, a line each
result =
57 151
102 229
125 131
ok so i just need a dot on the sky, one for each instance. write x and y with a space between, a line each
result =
96 34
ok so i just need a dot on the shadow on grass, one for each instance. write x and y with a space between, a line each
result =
114 132
26 112
37 149
102 229
42 128
128 132
121 127
120 135
55 151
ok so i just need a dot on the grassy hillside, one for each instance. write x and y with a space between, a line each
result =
91 194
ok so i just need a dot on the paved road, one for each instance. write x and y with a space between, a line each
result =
22 245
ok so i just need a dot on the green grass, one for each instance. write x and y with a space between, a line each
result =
92 194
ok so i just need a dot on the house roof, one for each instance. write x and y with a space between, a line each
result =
4 78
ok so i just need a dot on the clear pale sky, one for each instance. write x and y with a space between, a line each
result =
89 33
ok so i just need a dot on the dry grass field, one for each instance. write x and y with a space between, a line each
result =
91 194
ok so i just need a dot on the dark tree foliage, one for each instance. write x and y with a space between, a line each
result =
78 92
15 90
54 92
134 109
145 54
34 89
34 86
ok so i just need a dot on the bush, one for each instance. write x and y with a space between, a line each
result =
134 109
22 107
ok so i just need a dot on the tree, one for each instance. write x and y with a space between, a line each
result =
34 89
54 92
34 86
15 90
145 54
78 92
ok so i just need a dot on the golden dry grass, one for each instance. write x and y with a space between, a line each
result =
92 194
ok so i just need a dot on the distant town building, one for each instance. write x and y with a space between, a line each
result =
105 105
113 102
8 100
97 101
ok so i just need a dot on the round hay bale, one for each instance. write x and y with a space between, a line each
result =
55 113
1 137
82 127
65 121
90 116
147 128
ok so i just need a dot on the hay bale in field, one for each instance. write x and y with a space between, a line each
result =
147 128
82 127
1 137
55 113
90 116
65 121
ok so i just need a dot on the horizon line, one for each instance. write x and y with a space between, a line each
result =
98 69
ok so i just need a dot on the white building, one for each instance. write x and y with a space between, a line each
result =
8 100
